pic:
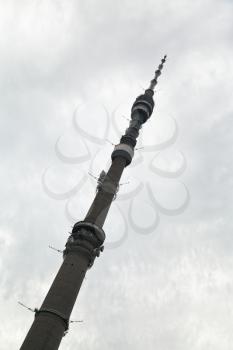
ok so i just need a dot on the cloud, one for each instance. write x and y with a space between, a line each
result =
169 289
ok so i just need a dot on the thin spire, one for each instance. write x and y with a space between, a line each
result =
153 82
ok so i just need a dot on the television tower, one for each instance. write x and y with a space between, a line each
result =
87 237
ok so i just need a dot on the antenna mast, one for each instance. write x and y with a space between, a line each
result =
85 242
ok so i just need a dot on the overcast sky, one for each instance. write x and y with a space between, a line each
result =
164 285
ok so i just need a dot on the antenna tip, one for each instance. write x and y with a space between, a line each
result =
153 82
164 58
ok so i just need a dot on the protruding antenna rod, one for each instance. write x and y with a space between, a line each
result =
153 82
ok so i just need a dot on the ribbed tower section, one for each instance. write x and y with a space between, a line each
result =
87 238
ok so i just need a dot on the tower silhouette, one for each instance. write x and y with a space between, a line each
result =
86 240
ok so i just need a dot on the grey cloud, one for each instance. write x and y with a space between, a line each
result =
170 289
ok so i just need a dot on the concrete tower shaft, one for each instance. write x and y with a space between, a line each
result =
86 240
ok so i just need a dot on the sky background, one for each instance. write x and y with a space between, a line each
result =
171 288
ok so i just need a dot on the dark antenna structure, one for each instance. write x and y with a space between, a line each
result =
86 240
55 249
